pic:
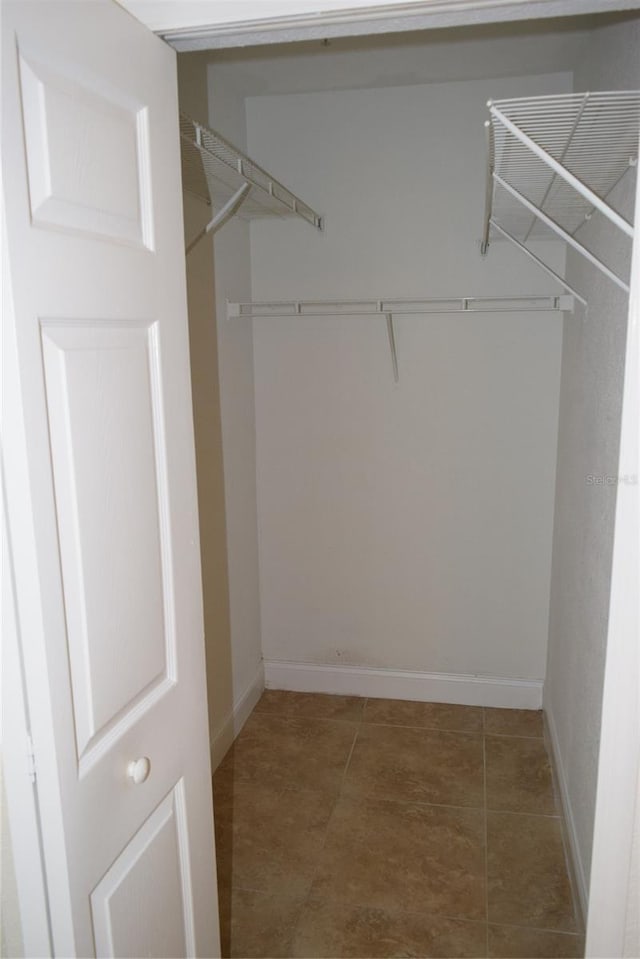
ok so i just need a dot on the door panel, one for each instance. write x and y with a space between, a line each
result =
107 440
87 154
107 568
124 902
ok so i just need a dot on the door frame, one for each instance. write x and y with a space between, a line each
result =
217 24
18 762
617 813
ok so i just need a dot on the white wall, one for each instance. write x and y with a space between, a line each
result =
588 444
401 527
193 95
235 365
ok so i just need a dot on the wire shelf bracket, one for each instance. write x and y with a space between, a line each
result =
559 158
403 307
217 172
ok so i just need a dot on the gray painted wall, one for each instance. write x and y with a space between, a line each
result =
409 526
588 444
193 93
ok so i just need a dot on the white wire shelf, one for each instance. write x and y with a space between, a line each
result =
216 171
398 307
554 161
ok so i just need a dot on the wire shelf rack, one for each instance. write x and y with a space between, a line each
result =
554 161
214 170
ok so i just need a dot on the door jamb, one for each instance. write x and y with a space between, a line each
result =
617 813
18 761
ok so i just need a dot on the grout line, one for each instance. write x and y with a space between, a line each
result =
324 838
290 786
430 729
304 718
370 797
364 722
537 739
486 831
346 768
516 925
536 815
288 714
408 912
392 910
399 911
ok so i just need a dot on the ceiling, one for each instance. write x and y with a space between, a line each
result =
465 53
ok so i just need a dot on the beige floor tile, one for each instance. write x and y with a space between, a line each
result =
399 712
516 942
417 765
271 839
514 722
225 781
519 775
311 705
528 881
404 856
334 929
299 753
257 924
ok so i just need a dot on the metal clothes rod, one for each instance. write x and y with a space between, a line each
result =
403 307
535 303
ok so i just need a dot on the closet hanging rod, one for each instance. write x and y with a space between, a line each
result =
555 303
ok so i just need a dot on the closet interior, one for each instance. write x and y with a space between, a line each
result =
407 342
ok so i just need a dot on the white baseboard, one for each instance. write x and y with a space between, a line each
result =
464 689
233 723
576 866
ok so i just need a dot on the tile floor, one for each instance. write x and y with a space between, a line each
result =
377 828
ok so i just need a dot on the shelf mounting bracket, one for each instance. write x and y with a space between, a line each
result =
536 259
560 231
392 346
232 205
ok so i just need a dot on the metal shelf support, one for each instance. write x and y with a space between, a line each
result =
392 346
536 259
561 233
231 206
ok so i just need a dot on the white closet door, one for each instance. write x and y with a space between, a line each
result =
101 481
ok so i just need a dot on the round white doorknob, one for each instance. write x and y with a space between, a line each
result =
138 770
